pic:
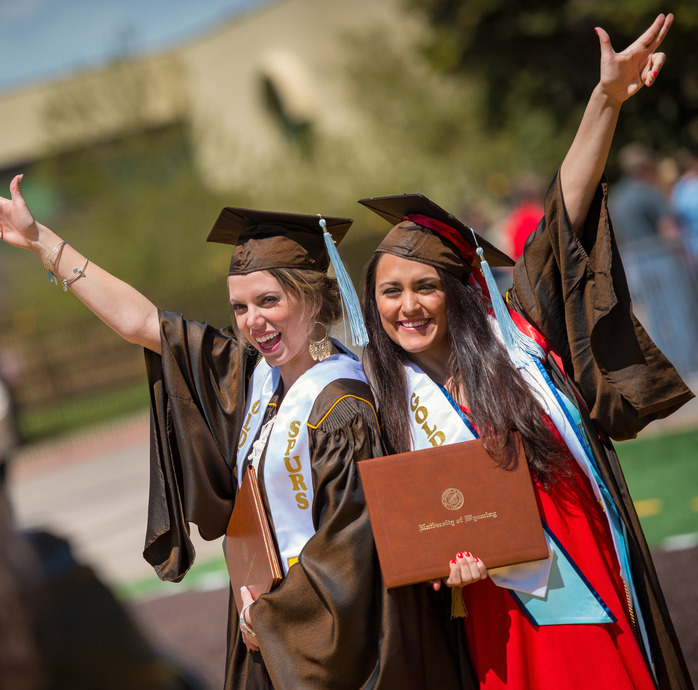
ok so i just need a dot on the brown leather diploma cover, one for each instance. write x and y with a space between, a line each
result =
427 505
250 553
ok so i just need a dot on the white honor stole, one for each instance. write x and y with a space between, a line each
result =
288 477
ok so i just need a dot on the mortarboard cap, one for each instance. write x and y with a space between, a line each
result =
270 239
451 245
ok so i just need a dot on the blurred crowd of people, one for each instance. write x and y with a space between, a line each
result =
654 207
654 210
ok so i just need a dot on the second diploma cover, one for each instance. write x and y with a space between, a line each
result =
250 552
427 505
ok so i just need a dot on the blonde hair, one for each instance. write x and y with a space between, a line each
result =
317 292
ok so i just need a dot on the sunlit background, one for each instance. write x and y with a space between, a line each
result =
135 122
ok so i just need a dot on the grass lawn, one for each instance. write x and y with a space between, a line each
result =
662 473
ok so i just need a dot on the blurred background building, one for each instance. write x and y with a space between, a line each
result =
242 89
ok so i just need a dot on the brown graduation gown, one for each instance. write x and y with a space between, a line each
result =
574 291
331 623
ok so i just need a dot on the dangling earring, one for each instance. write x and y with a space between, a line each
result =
320 349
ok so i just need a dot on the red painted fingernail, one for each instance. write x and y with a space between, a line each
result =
596 31
460 555
467 553
477 560
453 562
654 74
435 586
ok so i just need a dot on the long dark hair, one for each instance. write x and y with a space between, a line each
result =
480 367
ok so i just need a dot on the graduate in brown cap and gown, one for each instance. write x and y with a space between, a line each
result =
565 363
226 399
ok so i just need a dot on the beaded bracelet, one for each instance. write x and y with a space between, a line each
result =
243 622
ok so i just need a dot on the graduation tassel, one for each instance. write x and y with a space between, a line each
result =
350 299
458 609
520 349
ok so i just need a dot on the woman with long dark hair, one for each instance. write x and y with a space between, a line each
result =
564 363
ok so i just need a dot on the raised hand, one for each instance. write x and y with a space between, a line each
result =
120 306
17 224
624 74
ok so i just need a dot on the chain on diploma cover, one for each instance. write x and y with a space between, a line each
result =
427 505
250 553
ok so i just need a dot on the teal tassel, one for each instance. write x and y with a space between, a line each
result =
520 348
350 299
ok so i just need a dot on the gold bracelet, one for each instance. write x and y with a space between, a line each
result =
78 273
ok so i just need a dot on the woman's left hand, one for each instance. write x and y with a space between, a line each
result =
248 636
624 74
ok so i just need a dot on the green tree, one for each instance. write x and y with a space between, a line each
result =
539 55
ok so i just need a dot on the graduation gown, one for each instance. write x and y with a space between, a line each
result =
573 290
331 623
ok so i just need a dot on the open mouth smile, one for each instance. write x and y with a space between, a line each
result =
268 341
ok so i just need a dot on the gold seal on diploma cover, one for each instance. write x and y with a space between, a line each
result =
452 499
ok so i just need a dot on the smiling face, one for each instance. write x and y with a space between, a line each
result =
273 321
412 307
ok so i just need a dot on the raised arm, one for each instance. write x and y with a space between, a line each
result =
622 75
120 306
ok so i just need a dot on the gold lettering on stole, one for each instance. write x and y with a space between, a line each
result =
421 414
298 482
289 468
246 426
293 467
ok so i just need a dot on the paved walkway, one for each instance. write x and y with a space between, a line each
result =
92 489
